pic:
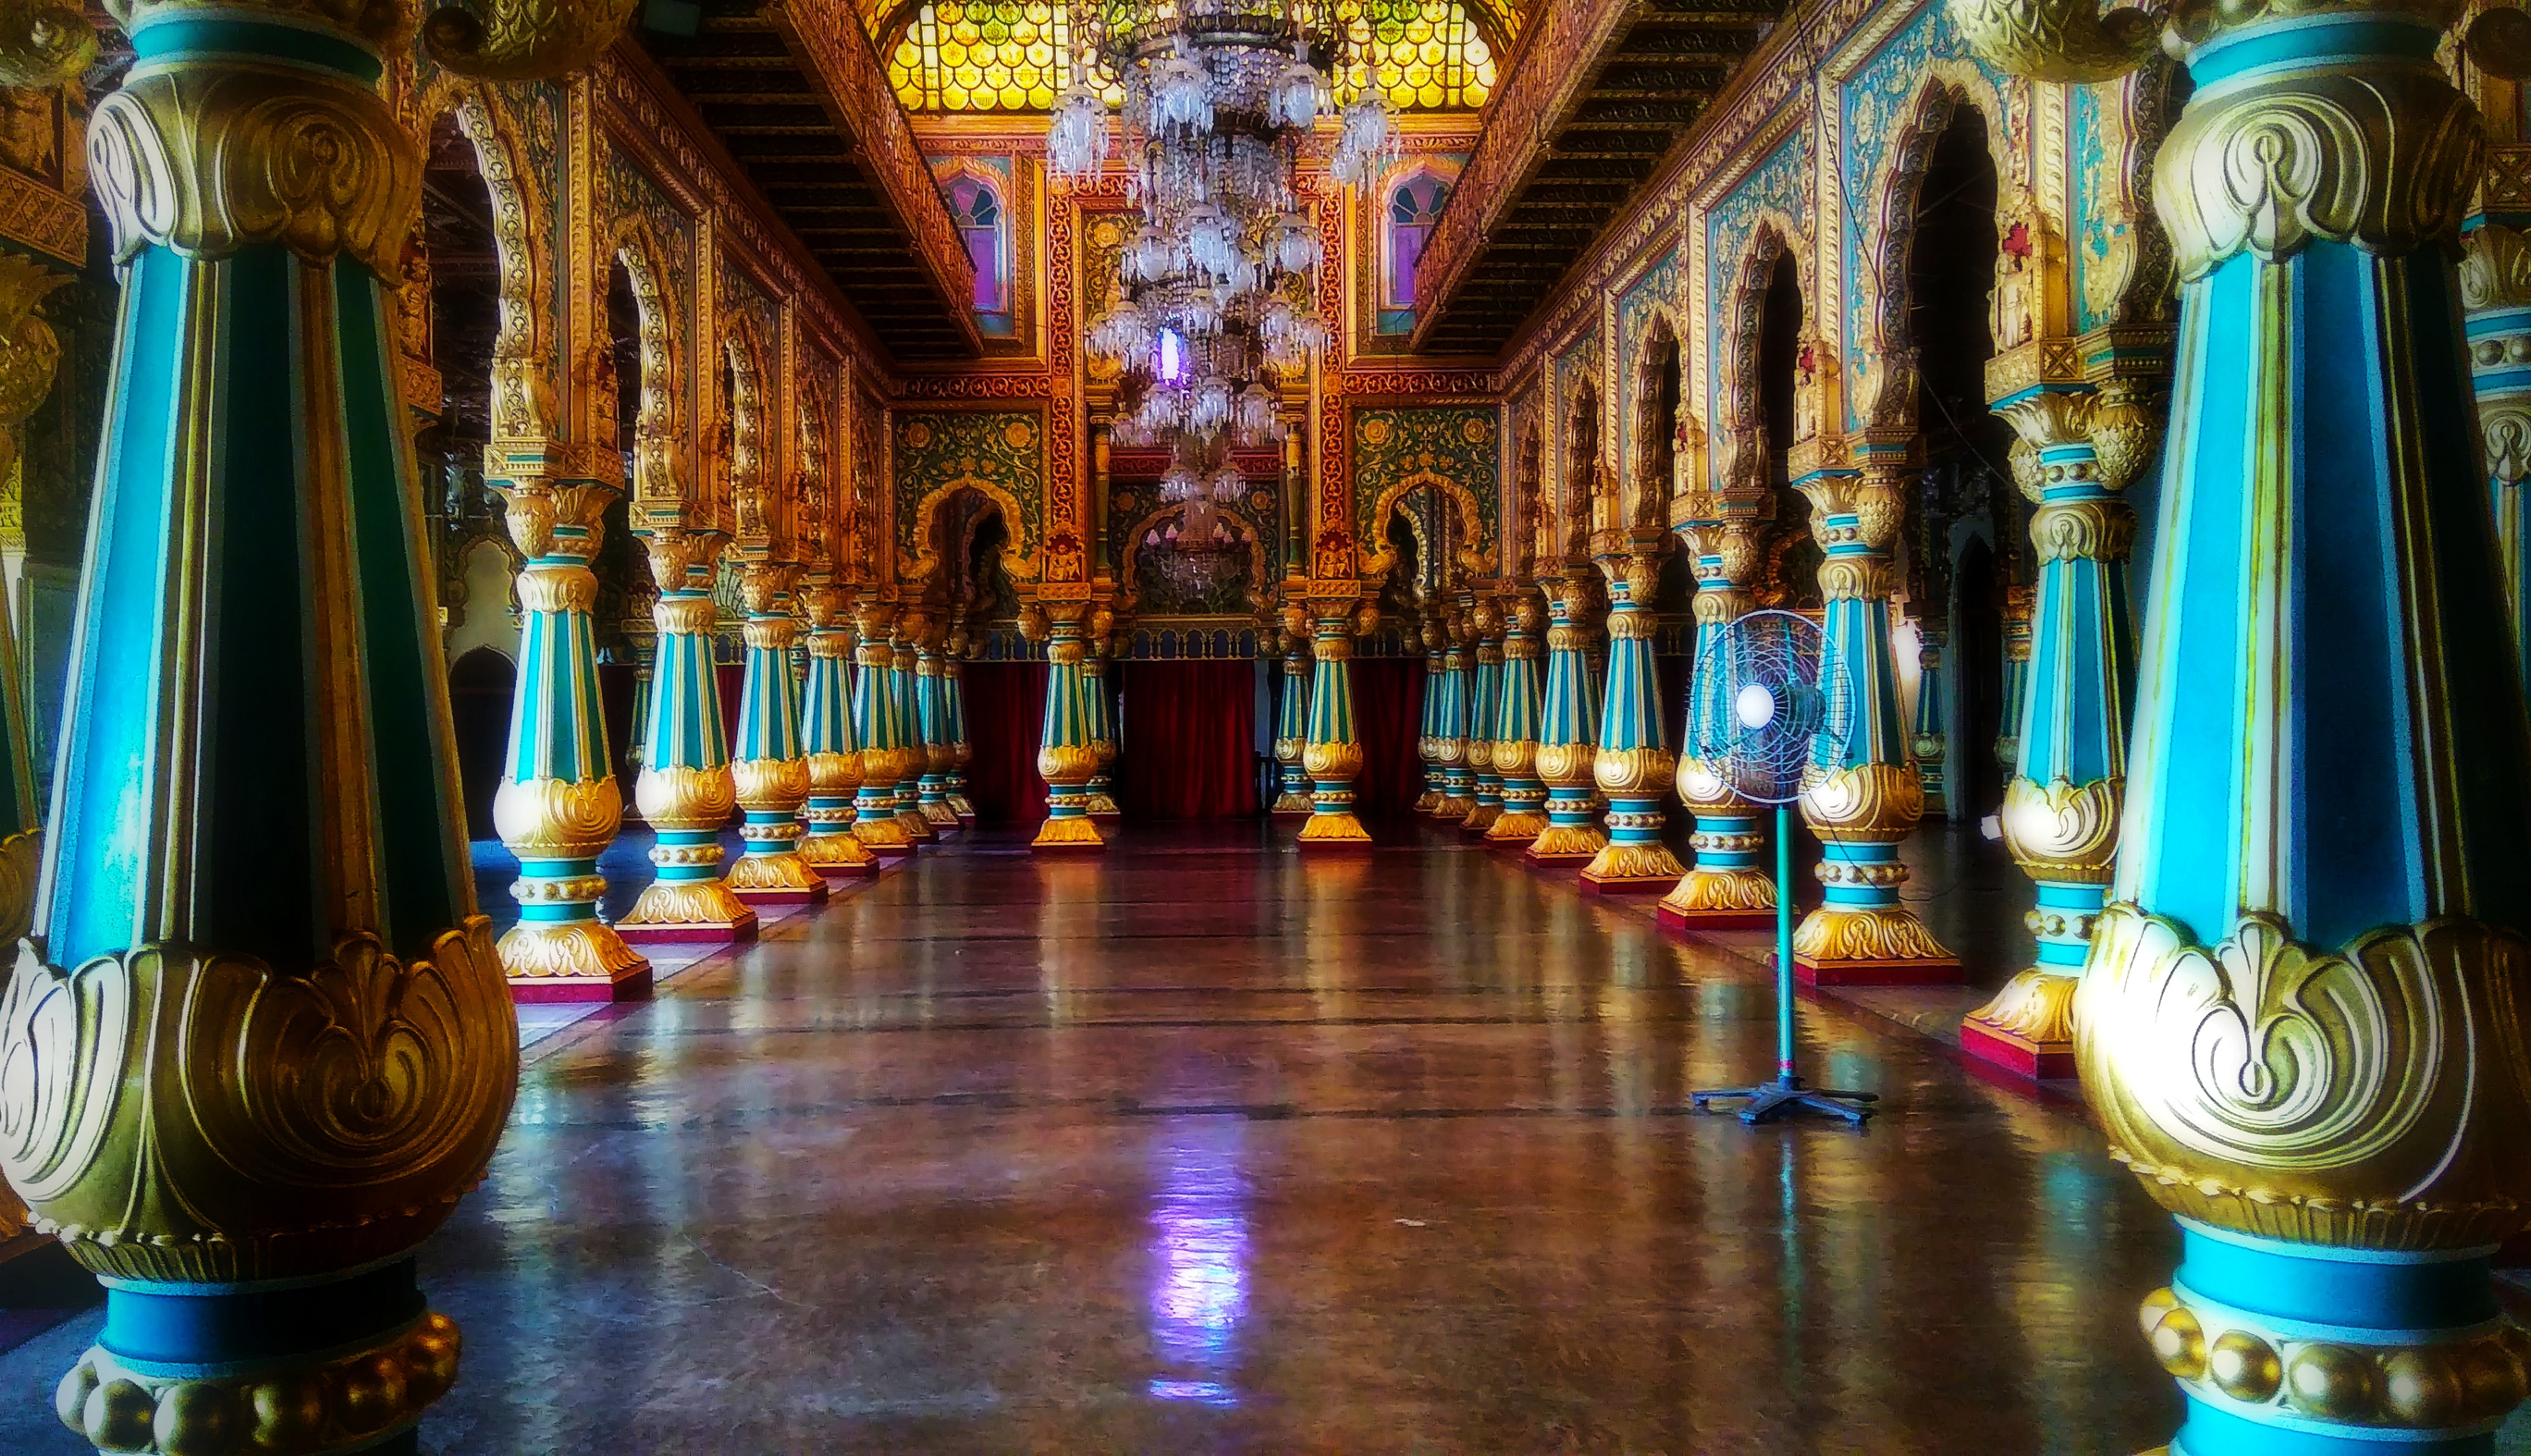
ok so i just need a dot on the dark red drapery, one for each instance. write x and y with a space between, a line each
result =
1005 715
1190 740
730 680
1388 709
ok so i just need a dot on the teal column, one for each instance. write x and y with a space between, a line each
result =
939 744
1458 780
258 1038
1634 764
685 791
2496 289
1862 796
1930 741
1101 690
1428 750
831 848
558 807
1292 726
771 767
1568 728
953 696
2019 605
2062 804
878 731
1066 756
1516 726
2300 1020
1731 885
915 753
1484 710
1333 755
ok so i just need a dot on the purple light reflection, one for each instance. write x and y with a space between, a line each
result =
1168 365
1198 1257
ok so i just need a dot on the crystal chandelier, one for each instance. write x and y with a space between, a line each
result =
1214 305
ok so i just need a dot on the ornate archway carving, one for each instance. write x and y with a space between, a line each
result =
1378 558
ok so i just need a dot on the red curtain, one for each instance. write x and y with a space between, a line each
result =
730 679
1005 716
1190 740
1388 709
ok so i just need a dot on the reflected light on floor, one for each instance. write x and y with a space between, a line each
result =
1199 1251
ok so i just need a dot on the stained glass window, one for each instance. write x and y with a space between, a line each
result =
1008 55
977 208
1414 206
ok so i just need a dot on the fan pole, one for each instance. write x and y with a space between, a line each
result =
1784 943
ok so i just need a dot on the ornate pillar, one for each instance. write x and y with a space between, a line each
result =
1333 756
1292 726
258 1038
912 755
953 697
685 791
2062 803
1516 714
940 739
1863 795
1731 886
1066 756
880 731
1483 616
2019 604
2300 1020
1928 743
770 768
1098 690
1634 764
1427 744
831 848
1451 727
558 807
2495 288
1568 728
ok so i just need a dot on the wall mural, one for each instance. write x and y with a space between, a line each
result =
1395 449
998 453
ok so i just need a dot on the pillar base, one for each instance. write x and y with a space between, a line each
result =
1567 844
1632 869
1721 900
837 856
687 912
1430 800
814 894
1333 831
2029 1025
1480 819
1068 836
560 990
1877 973
2040 1061
940 815
698 932
1675 919
1516 830
1871 945
1294 803
916 828
582 960
1451 811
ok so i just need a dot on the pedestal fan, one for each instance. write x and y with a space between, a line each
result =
1773 704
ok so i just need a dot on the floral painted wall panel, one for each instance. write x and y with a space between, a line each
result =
998 453
1395 448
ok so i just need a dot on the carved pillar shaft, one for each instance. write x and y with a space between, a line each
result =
876 727
1730 884
1928 741
685 791
1334 754
939 746
914 755
2495 288
1568 730
2020 605
953 700
1427 735
831 848
1098 689
1516 726
1485 707
1634 764
771 767
1450 742
2321 897
1292 727
1067 754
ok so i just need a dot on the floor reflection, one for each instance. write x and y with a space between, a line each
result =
1199 1258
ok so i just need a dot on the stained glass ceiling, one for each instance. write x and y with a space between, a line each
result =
1005 55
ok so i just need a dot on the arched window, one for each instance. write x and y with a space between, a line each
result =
1414 206
983 226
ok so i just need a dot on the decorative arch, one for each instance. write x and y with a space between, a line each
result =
995 280
1131 582
1406 207
1653 478
1529 506
753 498
523 398
1743 454
1884 378
814 531
659 476
1376 558
1582 468
1020 562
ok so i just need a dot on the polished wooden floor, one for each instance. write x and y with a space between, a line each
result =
1202 1147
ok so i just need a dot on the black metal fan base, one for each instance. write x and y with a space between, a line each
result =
1783 1097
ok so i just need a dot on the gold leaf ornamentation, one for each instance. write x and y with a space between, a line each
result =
2064 831
2069 40
525 39
552 819
674 796
1866 803
578 950
2372 1098
1701 890
1842 933
2036 1006
188 1115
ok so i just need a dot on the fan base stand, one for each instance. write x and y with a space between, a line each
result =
1785 1097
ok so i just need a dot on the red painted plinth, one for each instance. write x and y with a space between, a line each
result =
553 991
743 930
844 875
1717 919
814 895
1658 884
1584 857
1510 846
890 854
2046 1061
1877 973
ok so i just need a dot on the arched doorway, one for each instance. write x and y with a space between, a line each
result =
481 687
1791 577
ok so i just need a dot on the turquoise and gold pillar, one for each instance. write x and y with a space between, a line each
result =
258 1036
29 356
771 767
1333 755
830 849
1066 756
2062 804
1863 795
939 734
879 730
1731 886
1516 715
1928 741
953 697
2496 289
2019 607
2300 1020
1292 726
1485 707
1450 746
557 807
1634 764
1428 743
1568 727
686 791
1098 688
914 755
